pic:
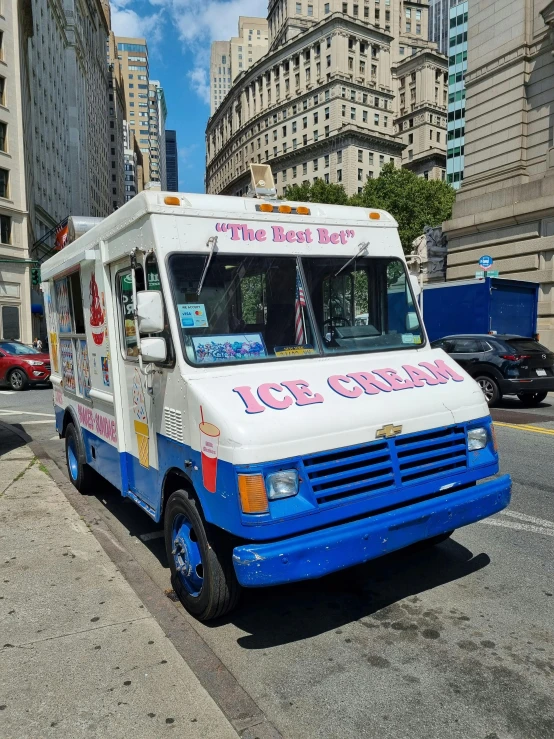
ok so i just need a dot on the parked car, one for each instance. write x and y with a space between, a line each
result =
21 365
504 365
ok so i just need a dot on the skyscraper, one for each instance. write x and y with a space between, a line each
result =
457 66
230 58
172 163
132 53
439 22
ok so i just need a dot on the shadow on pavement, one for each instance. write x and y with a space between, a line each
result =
9 441
288 613
285 614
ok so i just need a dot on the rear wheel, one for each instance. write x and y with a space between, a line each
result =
202 572
18 379
490 389
424 544
79 472
531 399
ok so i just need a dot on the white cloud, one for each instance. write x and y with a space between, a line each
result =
197 23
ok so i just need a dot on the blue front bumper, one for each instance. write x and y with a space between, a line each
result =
318 553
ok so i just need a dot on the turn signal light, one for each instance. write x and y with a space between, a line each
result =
374 216
266 208
303 211
172 200
253 497
285 209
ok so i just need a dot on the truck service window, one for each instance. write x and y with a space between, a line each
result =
249 308
363 306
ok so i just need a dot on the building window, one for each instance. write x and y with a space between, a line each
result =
352 114
316 134
305 168
329 60
326 160
360 175
2 91
326 8
345 7
3 136
326 131
5 229
316 164
408 27
371 157
355 10
310 9
4 183
305 122
410 138
339 156
298 8
410 155
339 175
376 119
364 116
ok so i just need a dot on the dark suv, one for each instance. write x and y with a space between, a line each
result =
504 365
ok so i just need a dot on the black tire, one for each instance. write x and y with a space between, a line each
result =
18 379
532 399
490 388
219 590
79 472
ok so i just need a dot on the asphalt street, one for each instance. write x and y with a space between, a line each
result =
454 641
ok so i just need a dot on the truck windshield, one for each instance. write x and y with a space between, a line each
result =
249 308
367 306
257 308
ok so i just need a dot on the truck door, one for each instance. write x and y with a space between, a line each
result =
142 410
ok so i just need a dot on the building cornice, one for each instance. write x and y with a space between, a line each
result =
431 57
296 45
422 108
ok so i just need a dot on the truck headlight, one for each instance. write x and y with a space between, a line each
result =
477 439
282 484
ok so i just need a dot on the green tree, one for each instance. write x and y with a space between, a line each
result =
413 201
317 192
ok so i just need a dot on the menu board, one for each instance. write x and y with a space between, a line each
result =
68 369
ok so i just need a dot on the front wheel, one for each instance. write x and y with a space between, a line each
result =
75 456
532 399
18 379
490 389
202 572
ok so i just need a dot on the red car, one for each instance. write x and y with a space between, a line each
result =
21 365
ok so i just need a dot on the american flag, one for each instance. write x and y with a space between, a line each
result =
299 304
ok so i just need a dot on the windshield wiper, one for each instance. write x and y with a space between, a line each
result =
212 243
363 247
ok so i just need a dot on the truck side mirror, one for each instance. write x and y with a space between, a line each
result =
150 311
153 349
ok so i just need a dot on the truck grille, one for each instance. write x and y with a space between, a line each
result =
381 465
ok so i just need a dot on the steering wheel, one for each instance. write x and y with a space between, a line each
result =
341 319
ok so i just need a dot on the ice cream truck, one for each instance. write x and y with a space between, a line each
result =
208 362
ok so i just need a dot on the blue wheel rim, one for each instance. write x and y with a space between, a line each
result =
186 555
72 461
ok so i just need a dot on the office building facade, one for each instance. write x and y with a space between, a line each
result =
505 207
439 22
228 59
172 161
457 67
326 101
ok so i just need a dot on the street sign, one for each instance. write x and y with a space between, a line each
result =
486 262
479 274
493 273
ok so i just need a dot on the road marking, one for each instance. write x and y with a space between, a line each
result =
525 427
528 519
518 526
151 535
25 413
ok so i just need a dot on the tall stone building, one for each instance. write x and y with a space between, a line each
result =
15 288
116 121
505 207
157 113
231 58
345 88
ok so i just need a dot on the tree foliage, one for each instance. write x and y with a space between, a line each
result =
317 192
413 201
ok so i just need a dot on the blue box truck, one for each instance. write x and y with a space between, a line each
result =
481 306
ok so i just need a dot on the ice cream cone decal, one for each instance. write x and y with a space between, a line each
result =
96 312
209 447
54 350
140 420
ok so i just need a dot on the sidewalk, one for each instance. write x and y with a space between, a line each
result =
79 653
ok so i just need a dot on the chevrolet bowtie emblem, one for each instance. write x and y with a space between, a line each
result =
388 431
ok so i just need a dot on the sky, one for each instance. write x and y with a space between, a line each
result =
179 34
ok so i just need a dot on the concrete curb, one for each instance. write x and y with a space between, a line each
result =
235 703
